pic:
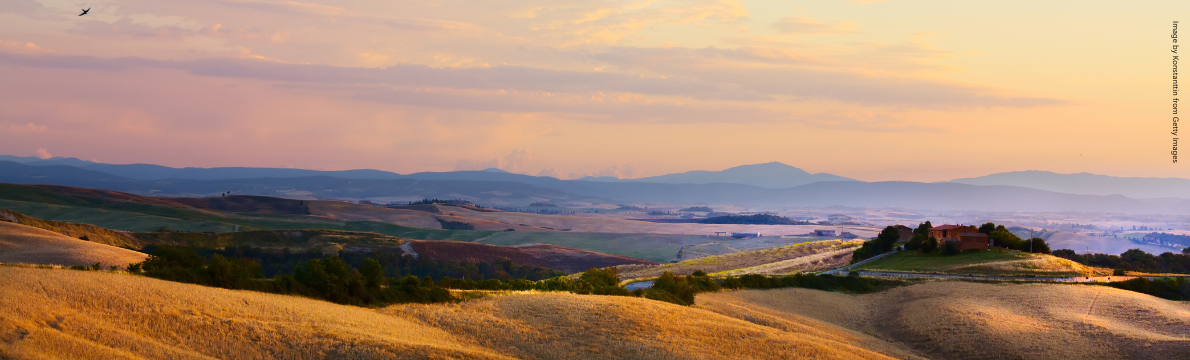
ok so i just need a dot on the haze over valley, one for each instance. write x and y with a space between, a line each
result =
616 179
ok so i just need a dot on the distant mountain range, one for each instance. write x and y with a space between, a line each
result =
773 175
158 172
1088 184
507 189
770 175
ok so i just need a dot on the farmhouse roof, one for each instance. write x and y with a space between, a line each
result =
947 227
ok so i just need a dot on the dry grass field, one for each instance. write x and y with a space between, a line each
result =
52 313
93 233
802 257
960 320
30 245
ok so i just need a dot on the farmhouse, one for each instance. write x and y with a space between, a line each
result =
904 233
968 237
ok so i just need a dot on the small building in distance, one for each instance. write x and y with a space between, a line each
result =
905 233
848 235
968 237
824 233
741 235
973 241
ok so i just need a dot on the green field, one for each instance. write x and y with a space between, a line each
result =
135 221
113 219
149 217
993 262
655 247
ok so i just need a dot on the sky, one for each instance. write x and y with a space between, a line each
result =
872 90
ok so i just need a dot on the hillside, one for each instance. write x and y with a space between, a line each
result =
328 241
960 320
92 233
49 313
499 189
22 244
769 175
993 262
551 256
1087 184
803 257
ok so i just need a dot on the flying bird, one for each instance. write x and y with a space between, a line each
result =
85 11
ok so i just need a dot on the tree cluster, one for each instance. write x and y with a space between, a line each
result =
847 284
680 289
1165 288
396 264
1001 237
881 244
756 219
455 225
330 278
1132 260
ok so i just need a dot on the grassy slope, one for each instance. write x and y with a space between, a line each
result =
653 247
74 230
146 222
110 210
72 314
29 245
779 260
960 320
1009 263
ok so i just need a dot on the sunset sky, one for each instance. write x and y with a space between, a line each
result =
873 90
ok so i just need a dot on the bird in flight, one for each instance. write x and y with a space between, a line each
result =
85 11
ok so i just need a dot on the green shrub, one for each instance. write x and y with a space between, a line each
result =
951 248
1166 288
930 245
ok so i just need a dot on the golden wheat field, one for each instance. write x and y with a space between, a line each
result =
57 313
54 313
30 245
960 320
1036 264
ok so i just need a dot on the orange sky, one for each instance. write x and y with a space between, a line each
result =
874 90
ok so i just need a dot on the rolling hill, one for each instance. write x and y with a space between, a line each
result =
1087 184
568 260
158 172
961 320
74 314
772 175
502 189
21 244
803 257
991 262
25 239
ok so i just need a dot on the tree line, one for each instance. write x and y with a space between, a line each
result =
1132 260
381 278
922 242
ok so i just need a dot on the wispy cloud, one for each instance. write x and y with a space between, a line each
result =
730 84
798 25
